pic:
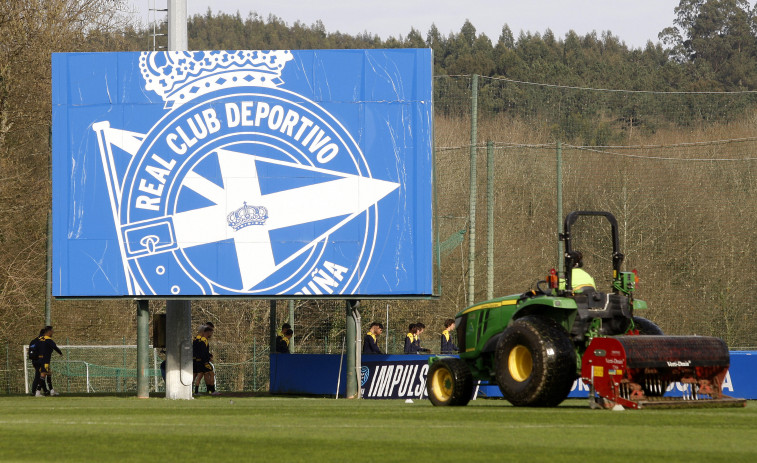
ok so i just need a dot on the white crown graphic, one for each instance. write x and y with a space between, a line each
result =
246 216
180 76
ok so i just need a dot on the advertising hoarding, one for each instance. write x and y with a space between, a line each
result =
404 377
243 173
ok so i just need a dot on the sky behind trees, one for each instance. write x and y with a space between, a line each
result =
633 22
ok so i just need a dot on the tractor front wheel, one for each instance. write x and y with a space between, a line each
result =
536 362
449 382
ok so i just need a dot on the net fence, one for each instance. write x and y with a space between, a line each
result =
93 369
677 169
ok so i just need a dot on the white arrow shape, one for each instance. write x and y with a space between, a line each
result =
347 195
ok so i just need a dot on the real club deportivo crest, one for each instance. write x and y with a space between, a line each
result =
242 188
246 216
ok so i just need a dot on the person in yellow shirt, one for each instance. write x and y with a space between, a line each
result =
580 279
201 357
282 341
448 347
411 347
41 355
369 342
420 327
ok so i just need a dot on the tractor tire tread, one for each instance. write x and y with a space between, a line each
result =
462 387
554 362
647 327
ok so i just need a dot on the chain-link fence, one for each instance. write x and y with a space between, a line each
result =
92 369
678 170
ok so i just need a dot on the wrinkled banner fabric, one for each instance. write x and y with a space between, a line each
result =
242 173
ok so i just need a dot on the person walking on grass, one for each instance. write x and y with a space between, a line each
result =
201 361
33 353
41 351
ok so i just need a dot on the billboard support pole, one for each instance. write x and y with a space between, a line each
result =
178 349
354 350
178 312
143 343
177 25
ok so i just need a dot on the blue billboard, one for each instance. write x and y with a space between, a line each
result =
404 377
242 173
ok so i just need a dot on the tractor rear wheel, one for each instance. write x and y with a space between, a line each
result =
449 382
654 387
536 362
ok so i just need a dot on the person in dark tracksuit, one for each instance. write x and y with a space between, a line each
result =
282 341
447 346
369 342
420 328
201 361
410 345
42 349
34 357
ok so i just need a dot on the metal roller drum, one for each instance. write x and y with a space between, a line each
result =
635 371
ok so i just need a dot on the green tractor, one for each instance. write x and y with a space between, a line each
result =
532 344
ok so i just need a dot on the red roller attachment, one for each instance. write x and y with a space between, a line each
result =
635 371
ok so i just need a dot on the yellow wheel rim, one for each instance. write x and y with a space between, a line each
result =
520 363
442 384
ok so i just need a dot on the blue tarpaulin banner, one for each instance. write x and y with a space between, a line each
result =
404 377
242 173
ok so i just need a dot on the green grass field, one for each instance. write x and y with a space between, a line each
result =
271 429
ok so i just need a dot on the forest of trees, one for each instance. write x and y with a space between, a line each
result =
710 48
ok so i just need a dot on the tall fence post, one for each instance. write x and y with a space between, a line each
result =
8 366
349 352
68 377
473 191
49 245
291 322
489 220
155 368
49 271
560 244
254 365
386 335
272 325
